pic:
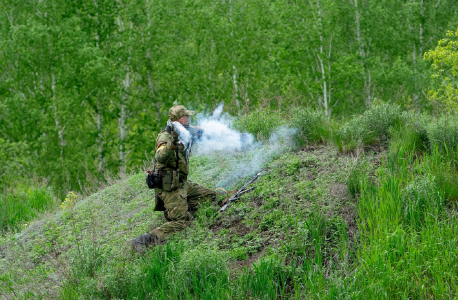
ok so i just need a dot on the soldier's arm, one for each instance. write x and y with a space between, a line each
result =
165 150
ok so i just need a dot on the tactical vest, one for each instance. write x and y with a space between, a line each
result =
165 157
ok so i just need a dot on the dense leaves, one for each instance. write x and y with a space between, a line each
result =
86 85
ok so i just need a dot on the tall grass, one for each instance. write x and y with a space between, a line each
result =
180 270
375 126
171 272
261 123
23 203
408 231
443 133
312 125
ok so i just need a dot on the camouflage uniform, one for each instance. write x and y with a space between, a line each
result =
179 203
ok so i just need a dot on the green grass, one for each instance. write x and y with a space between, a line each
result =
261 123
374 127
324 222
22 204
313 126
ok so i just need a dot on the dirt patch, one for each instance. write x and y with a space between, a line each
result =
235 225
239 228
241 264
350 216
257 201
338 191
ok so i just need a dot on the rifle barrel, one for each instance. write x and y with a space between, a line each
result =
241 191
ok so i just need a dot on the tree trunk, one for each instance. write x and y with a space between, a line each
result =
60 128
100 133
122 123
366 74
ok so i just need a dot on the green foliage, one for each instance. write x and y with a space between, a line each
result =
445 65
443 133
85 86
374 126
199 271
357 177
261 123
312 125
87 259
413 135
15 162
269 279
23 203
406 230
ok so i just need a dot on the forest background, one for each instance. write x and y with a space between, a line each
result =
86 85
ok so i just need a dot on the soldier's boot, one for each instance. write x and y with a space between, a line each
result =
144 241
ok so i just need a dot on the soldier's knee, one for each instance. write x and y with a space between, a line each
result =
179 212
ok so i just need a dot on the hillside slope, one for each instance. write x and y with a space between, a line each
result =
301 208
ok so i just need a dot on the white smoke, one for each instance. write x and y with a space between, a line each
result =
243 155
183 135
219 136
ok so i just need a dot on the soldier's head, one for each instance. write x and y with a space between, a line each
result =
179 113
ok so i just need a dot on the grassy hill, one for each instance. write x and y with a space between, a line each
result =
355 209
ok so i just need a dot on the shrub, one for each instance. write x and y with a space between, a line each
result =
421 196
381 118
443 134
374 126
352 135
261 123
312 125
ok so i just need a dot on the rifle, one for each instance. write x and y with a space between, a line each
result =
241 191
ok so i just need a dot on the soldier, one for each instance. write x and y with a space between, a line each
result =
177 197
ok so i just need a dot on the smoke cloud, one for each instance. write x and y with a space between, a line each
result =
242 155
218 134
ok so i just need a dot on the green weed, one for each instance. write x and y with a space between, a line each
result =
357 177
376 125
443 133
261 123
22 204
312 125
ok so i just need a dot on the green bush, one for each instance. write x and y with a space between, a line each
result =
312 125
382 118
421 196
443 134
353 134
374 126
261 123
413 135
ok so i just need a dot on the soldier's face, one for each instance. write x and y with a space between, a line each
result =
184 120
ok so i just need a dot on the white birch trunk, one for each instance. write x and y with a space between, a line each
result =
100 133
60 128
236 89
122 124
320 55
366 74
414 56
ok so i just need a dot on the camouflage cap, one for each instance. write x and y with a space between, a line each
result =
179 111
